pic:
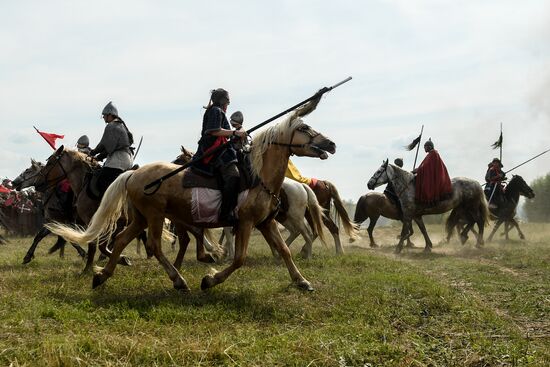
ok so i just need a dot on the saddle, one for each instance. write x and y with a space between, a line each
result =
192 178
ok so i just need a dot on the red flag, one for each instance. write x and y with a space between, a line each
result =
49 137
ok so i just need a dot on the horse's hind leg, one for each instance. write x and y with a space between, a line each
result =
80 250
184 240
39 236
121 241
516 224
422 227
370 230
241 245
335 232
92 247
59 245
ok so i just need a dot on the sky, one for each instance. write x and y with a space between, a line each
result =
460 68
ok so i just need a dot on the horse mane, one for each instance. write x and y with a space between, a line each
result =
82 158
281 132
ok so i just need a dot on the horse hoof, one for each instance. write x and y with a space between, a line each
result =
27 259
398 250
82 254
180 285
374 245
98 280
305 286
125 260
207 282
206 259
427 250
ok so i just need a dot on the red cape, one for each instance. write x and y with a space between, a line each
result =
432 179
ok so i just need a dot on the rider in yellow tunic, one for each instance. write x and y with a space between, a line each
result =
293 173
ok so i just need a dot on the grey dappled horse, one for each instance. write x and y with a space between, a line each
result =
466 194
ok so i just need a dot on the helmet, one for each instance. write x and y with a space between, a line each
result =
237 117
429 143
219 96
496 160
83 140
398 162
110 109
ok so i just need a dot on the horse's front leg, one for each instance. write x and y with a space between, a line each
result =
273 237
422 227
241 246
39 236
516 224
497 224
405 230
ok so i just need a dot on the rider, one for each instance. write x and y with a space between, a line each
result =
389 191
432 179
115 145
83 144
215 132
494 178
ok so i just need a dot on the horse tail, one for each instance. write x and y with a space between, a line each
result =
350 227
104 222
315 211
484 210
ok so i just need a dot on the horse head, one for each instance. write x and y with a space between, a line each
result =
307 142
53 172
523 188
184 157
28 177
380 177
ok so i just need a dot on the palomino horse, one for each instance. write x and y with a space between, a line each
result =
269 157
298 201
503 213
53 211
467 195
371 206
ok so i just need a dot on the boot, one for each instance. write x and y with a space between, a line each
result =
230 194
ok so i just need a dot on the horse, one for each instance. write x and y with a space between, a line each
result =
503 213
371 206
77 168
53 211
270 152
298 201
467 195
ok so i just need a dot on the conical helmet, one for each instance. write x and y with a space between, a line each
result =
237 117
83 140
110 109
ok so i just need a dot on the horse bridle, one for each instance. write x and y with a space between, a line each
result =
303 129
56 180
378 173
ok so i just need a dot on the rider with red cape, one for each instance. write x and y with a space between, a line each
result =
432 179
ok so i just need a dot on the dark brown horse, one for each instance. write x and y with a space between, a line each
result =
371 206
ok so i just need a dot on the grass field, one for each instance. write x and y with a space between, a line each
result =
458 306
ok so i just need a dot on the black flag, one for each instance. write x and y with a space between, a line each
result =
414 143
497 144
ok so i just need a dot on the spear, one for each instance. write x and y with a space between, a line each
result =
159 181
527 161
416 143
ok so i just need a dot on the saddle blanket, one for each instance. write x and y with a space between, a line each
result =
206 203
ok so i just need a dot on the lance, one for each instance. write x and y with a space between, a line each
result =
527 161
418 147
156 184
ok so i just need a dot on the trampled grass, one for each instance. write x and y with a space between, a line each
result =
458 306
